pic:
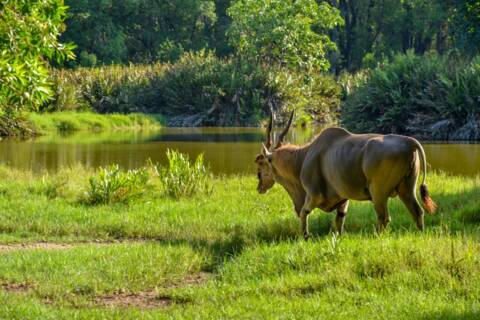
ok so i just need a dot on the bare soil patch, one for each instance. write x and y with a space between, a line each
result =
150 298
37 245
143 300
59 246
15 287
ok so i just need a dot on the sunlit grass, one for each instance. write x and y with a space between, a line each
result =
249 243
80 121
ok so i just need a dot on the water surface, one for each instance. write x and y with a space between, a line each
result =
227 150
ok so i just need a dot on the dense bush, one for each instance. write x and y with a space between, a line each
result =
16 125
113 185
199 90
182 178
109 89
214 91
427 96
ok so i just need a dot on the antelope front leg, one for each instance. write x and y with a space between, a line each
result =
340 218
306 209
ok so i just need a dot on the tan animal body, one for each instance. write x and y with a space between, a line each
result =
338 166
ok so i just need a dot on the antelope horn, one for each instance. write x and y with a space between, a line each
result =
284 132
266 153
268 143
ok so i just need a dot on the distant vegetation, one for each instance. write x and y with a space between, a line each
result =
107 31
231 62
432 97
200 89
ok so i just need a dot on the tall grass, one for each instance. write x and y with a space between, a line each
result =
42 123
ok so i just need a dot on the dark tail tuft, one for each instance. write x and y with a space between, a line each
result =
428 203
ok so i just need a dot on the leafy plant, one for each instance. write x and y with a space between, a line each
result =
112 185
182 178
29 32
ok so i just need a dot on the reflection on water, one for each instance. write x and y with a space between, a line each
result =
228 150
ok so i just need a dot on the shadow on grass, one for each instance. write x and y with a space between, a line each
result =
457 213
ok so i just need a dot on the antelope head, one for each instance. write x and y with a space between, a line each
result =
266 159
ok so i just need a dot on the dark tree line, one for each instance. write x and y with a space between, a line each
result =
143 31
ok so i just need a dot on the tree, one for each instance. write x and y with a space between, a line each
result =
375 29
29 33
289 33
122 31
466 19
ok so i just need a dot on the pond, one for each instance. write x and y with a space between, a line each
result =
227 150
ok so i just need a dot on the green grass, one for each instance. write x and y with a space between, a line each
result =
68 121
249 244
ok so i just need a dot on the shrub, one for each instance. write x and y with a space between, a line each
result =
414 94
113 185
200 89
315 97
215 91
182 178
15 124
108 89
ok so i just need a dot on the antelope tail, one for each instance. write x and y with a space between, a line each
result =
428 203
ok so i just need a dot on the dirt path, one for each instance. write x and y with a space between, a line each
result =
59 246
146 299
37 245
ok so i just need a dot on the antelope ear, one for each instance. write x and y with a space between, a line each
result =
259 158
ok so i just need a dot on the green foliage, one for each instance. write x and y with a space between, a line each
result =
140 31
208 90
109 30
112 185
15 125
87 59
120 89
169 51
315 98
289 33
413 92
466 19
220 92
184 179
28 39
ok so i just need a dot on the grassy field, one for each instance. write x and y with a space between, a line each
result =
82 121
231 254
